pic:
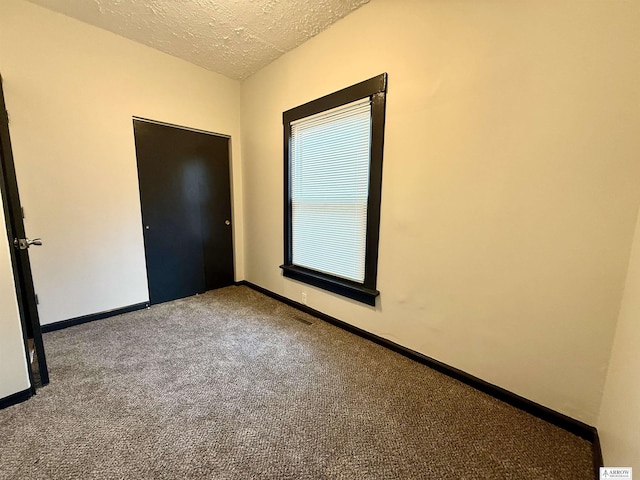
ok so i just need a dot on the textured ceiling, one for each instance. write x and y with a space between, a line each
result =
233 37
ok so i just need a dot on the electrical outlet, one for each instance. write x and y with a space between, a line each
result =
304 298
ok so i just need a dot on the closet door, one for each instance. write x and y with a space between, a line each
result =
185 196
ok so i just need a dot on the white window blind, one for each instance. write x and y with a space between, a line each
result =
330 161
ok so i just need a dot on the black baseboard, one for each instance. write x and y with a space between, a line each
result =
596 449
92 317
572 425
16 398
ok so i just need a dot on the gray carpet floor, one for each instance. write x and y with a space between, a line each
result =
233 385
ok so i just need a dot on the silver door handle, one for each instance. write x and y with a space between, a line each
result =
24 243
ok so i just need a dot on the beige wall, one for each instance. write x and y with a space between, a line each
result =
510 182
619 422
71 90
13 364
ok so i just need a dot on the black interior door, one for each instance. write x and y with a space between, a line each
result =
34 347
185 194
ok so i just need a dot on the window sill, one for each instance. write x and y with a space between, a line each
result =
340 286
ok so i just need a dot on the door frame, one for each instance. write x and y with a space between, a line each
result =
22 275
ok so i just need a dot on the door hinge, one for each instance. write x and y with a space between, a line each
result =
22 211
37 300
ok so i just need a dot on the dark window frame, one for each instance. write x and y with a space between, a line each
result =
366 292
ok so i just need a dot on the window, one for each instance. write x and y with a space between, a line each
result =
333 177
